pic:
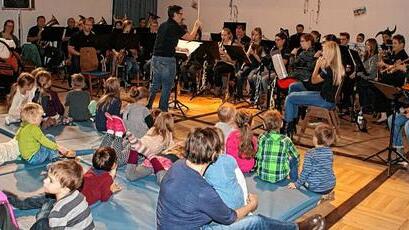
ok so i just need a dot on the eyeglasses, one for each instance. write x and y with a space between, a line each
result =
302 41
278 39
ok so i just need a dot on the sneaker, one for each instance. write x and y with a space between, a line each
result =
118 125
109 122
7 121
315 222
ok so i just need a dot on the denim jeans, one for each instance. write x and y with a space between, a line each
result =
296 87
294 169
132 67
254 222
307 98
44 154
163 72
400 123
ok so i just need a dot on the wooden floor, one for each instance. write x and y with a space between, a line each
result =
377 207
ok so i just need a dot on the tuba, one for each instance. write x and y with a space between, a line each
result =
53 21
102 21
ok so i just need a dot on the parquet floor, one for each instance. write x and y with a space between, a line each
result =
386 208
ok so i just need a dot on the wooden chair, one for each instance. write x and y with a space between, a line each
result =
315 112
94 77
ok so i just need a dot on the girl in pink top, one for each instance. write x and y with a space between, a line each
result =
241 143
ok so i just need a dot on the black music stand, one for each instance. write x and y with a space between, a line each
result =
53 55
395 95
52 34
212 54
102 29
216 37
180 57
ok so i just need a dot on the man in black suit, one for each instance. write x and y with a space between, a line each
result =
295 38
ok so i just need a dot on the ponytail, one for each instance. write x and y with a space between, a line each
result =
243 121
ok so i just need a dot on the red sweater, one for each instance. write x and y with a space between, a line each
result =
97 186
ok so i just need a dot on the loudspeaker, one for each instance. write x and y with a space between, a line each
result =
18 4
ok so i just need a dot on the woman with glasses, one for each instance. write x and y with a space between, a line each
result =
7 33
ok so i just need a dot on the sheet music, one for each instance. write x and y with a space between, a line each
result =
279 65
190 45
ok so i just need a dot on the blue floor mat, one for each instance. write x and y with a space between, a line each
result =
135 205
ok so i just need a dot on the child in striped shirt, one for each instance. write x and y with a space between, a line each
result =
317 174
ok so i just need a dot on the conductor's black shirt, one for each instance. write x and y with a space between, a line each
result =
167 38
80 40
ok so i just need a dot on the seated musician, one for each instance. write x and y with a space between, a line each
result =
118 25
391 75
317 40
281 41
69 31
254 53
295 39
84 38
360 45
226 64
142 23
370 61
241 37
8 33
125 55
154 27
33 51
300 67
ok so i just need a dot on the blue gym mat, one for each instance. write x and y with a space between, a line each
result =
135 205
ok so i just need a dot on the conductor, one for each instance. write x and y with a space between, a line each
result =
163 65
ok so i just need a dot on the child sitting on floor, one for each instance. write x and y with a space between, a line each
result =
109 103
317 174
277 157
98 182
48 99
34 146
64 178
241 143
225 176
138 120
226 113
77 100
21 93
156 140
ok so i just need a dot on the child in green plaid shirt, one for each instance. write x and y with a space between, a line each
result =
277 157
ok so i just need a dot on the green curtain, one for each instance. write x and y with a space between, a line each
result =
134 9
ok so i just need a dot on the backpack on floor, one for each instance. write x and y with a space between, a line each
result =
7 218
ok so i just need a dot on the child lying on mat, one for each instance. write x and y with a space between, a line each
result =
225 176
158 139
317 174
63 204
98 182
34 146
277 157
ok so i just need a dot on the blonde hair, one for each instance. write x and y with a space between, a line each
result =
273 120
243 121
164 126
31 112
36 70
325 135
23 79
111 90
68 173
332 55
226 112
77 81
139 93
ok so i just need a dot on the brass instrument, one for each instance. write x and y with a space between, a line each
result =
53 21
395 67
102 21
81 17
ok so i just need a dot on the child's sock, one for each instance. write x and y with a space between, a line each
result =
157 166
133 157
137 145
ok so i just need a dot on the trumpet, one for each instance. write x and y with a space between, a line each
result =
395 67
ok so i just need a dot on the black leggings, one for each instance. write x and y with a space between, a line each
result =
222 68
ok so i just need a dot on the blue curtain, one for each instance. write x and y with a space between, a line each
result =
134 9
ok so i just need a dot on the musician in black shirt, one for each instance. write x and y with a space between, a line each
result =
241 37
34 35
69 31
84 38
295 38
163 65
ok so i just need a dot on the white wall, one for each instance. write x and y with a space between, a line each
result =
335 15
61 9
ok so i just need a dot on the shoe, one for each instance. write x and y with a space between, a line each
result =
118 125
109 123
315 222
288 129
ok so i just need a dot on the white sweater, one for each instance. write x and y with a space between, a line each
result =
19 100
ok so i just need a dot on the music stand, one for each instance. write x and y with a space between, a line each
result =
212 54
180 57
394 94
52 34
102 29
216 37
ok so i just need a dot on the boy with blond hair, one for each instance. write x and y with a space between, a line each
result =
34 146
226 114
